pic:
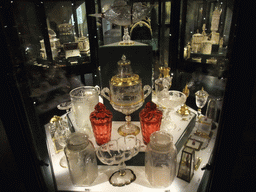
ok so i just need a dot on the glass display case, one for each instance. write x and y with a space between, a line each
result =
51 47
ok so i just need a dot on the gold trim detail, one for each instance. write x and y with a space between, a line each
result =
55 118
136 131
122 82
197 164
126 105
125 43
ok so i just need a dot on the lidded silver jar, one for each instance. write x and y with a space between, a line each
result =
81 158
160 160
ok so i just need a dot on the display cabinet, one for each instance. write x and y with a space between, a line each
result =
54 40
51 47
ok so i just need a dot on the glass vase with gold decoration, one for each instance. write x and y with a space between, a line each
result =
126 95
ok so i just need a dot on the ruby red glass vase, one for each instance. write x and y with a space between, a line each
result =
101 121
150 120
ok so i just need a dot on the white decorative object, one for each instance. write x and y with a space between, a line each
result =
216 19
196 42
215 37
83 44
207 47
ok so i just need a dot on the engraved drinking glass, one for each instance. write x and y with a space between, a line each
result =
83 100
201 99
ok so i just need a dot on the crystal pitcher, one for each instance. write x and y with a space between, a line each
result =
83 100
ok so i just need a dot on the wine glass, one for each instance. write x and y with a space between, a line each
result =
170 100
117 152
61 133
201 99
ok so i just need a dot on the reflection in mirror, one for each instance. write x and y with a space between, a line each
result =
207 31
67 21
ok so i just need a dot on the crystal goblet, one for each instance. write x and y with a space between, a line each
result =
117 152
201 99
170 100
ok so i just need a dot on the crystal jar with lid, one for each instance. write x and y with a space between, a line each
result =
150 120
160 160
126 95
81 158
101 120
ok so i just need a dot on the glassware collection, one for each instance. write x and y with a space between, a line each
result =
84 136
125 95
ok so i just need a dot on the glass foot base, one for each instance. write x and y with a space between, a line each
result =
119 180
130 129
126 43
168 126
63 162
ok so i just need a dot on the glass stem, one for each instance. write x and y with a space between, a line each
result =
168 114
128 120
122 168
199 112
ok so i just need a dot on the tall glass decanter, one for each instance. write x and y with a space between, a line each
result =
126 95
